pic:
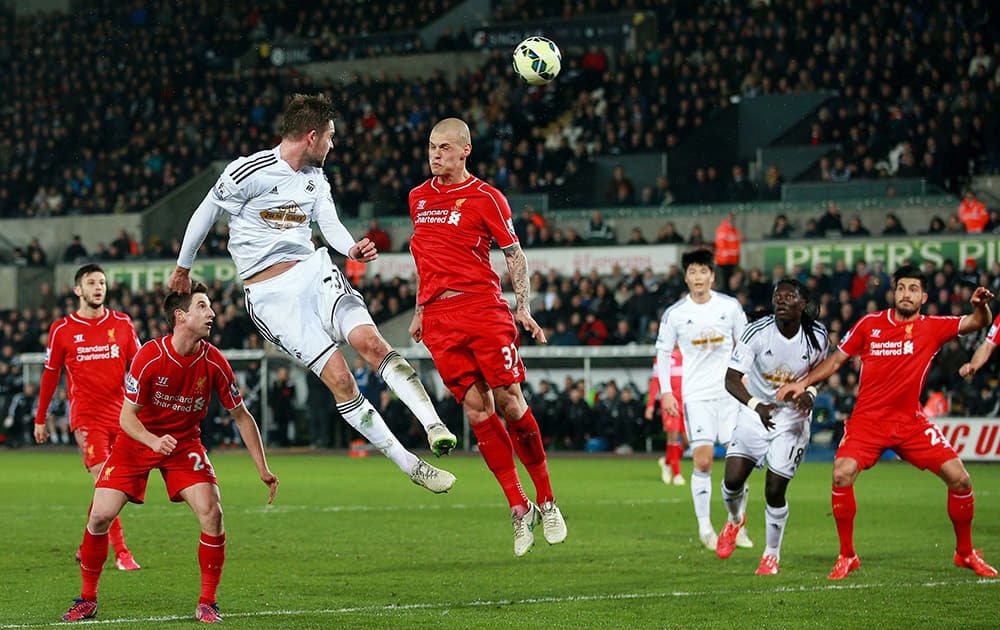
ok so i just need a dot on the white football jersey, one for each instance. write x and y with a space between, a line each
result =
271 208
705 333
771 360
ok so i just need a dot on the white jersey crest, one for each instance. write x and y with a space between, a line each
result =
771 360
271 208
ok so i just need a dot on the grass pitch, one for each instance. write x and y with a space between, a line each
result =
353 543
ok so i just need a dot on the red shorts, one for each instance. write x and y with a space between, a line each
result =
472 337
95 443
130 463
918 442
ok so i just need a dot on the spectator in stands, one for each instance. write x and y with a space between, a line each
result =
636 237
75 252
893 226
668 234
573 239
598 231
780 229
662 195
592 332
972 213
830 223
563 335
812 229
770 188
621 190
36 255
697 238
856 229
378 236
622 335
859 281
936 226
955 225
739 189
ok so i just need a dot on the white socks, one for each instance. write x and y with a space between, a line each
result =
402 379
775 519
701 493
736 502
360 414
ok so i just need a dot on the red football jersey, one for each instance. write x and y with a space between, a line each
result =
895 358
993 336
453 228
174 390
96 354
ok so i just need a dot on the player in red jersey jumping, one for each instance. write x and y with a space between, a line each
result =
896 347
166 397
466 324
95 344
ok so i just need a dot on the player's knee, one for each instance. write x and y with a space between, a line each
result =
961 482
100 520
844 473
374 348
341 383
211 519
774 493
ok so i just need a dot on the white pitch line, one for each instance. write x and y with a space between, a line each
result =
507 602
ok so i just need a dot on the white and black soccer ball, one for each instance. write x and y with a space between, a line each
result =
537 60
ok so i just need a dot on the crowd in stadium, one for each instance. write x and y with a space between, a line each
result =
590 310
174 105
71 144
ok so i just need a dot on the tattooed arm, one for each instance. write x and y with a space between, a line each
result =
517 266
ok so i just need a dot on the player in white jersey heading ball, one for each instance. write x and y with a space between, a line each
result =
705 326
775 349
298 299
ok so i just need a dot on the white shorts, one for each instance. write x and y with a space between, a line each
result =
710 421
307 311
782 448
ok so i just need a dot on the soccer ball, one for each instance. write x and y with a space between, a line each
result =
537 60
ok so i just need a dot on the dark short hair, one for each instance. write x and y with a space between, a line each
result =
175 300
84 270
698 257
305 113
909 271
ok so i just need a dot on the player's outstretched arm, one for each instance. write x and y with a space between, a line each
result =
820 373
133 427
980 317
201 222
517 266
978 360
251 437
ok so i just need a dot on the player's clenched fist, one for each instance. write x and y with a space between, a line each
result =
164 445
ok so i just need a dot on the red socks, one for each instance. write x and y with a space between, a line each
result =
844 510
116 536
93 553
527 441
674 452
960 509
211 557
496 448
